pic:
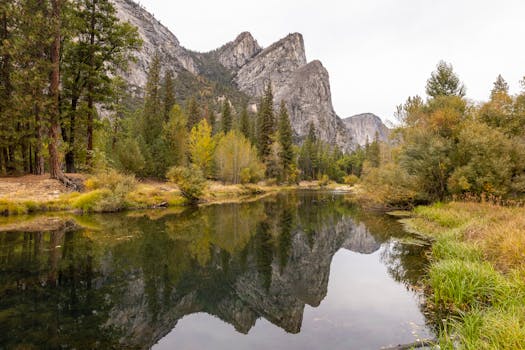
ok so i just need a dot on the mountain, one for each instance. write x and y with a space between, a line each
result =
156 38
239 70
365 127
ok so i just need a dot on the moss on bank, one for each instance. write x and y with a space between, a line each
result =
477 273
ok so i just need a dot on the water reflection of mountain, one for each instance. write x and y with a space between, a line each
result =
127 281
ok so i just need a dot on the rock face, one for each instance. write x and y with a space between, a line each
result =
237 53
308 98
361 240
156 38
365 127
305 87
275 64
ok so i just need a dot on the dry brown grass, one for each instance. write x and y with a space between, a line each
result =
33 187
498 230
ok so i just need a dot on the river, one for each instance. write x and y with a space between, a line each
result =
300 270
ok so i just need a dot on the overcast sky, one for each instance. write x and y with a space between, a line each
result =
378 52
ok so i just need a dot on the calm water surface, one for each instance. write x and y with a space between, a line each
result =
294 271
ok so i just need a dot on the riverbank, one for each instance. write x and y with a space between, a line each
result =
476 279
33 194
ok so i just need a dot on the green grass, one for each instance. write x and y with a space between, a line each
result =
92 201
449 246
465 284
476 275
14 207
8 208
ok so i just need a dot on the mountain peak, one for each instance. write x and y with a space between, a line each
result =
367 116
244 36
365 126
291 46
244 67
238 52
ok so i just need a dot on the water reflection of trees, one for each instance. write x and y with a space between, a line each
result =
129 279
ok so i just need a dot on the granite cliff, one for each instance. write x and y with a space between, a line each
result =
366 127
243 68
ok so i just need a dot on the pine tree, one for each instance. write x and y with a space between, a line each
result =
175 136
54 91
98 47
151 124
212 119
444 82
266 123
66 54
309 154
500 111
500 87
29 49
285 139
168 94
245 123
152 117
373 152
193 112
7 11
227 119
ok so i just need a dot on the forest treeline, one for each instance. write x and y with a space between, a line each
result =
232 143
58 62
447 146
64 109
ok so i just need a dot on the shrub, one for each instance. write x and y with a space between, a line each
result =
129 156
324 180
109 190
294 174
111 180
190 181
350 180
93 201
391 185
246 175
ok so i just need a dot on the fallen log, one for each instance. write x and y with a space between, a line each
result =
414 345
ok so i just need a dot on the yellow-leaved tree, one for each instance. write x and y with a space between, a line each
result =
236 159
201 147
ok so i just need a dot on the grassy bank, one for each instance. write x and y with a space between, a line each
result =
476 279
116 192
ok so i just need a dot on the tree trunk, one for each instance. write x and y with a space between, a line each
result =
2 162
70 155
89 154
11 166
25 154
55 169
90 86
54 87
39 157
